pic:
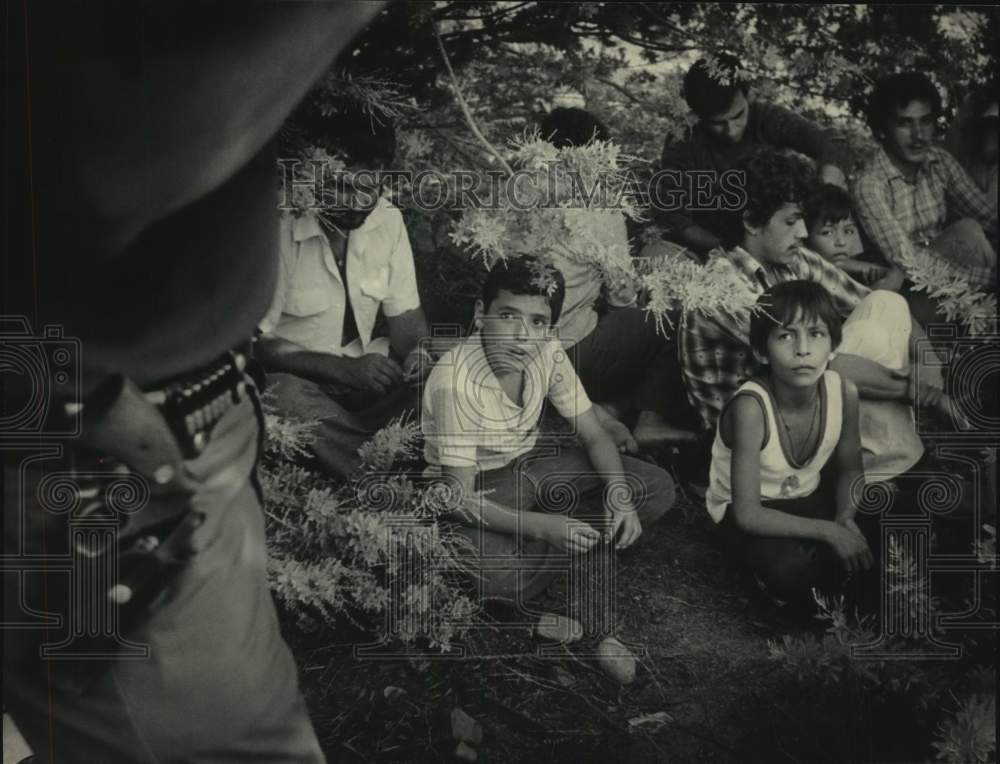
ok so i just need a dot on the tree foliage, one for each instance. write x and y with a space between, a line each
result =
830 52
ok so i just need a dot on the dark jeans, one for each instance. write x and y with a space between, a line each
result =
624 355
790 568
344 425
555 477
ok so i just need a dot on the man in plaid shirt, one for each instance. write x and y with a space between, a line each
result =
911 190
878 334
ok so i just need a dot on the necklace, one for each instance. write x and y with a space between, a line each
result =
797 451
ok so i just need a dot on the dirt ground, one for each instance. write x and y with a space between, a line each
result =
705 688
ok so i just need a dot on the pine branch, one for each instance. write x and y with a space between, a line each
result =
464 106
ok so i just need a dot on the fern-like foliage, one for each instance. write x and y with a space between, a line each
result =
676 282
969 735
376 551
957 299
832 661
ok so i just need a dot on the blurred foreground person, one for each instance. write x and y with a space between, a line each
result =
142 174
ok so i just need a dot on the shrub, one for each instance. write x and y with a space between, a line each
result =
373 549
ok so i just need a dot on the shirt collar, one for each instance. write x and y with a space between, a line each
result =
476 359
752 268
892 172
307 226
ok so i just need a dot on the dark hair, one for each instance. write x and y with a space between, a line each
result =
897 91
707 95
526 275
569 126
772 180
366 140
783 302
826 203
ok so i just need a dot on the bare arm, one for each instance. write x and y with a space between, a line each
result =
371 372
405 332
848 455
279 355
873 380
746 432
877 382
745 428
607 462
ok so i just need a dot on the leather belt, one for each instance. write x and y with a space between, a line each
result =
194 403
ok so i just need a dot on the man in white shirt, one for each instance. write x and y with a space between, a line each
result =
341 264
628 369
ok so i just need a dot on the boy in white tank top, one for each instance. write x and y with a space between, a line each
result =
774 438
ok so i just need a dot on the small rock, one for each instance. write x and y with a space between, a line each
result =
465 729
616 661
650 720
393 694
564 678
463 752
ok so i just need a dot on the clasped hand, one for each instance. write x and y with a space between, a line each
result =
850 545
380 374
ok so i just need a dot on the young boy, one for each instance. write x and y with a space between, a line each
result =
834 235
775 436
481 407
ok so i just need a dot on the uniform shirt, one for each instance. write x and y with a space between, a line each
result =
469 421
780 477
310 300
715 349
899 214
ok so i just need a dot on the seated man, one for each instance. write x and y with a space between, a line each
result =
878 337
729 127
341 264
915 194
480 414
620 357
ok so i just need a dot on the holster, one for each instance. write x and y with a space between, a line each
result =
115 513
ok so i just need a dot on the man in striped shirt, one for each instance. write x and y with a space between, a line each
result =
879 333
914 194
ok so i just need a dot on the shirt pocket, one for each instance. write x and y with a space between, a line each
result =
307 302
375 283
308 291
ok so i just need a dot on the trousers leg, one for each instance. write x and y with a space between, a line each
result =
625 352
565 481
340 432
558 479
219 684
789 568
879 329
965 243
509 567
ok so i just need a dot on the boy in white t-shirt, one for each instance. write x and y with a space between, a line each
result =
520 501
776 435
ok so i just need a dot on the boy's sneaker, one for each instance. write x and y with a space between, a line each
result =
616 660
558 628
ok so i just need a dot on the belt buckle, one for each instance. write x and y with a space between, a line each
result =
193 405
